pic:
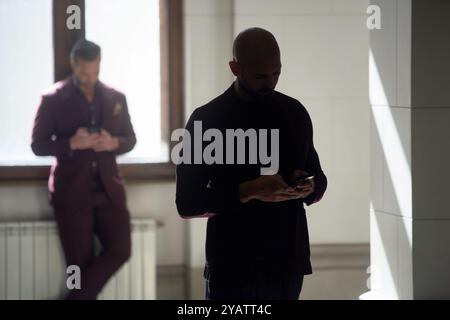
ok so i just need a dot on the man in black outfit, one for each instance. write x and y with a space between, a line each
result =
257 244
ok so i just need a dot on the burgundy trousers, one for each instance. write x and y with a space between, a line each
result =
78 227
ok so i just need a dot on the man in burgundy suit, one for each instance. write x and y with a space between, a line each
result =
85 125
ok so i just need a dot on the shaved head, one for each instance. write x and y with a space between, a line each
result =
256 62
253 43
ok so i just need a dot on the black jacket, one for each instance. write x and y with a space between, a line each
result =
242 237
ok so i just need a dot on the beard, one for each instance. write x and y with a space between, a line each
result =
261 96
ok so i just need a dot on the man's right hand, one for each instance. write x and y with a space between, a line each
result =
268 188
82 139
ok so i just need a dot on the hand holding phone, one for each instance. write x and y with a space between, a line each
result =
300 181
95 129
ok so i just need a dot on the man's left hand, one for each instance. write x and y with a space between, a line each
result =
106 142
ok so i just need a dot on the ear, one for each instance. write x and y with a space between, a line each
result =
234 66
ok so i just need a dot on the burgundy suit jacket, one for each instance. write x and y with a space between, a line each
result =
58 117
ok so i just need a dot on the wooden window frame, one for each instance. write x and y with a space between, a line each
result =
172 87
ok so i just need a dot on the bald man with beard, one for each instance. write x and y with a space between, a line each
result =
257 244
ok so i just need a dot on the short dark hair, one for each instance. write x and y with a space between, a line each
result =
85 49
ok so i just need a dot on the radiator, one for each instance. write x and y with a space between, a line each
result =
32 265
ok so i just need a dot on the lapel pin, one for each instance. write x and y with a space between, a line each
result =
117 109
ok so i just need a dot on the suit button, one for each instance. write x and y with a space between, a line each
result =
94 164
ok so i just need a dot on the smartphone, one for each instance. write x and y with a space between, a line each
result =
95 129
301 180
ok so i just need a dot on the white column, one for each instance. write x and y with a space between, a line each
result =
410 153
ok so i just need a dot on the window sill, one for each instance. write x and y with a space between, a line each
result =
129 171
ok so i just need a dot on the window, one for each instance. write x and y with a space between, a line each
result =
26 64
130 42
141 56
